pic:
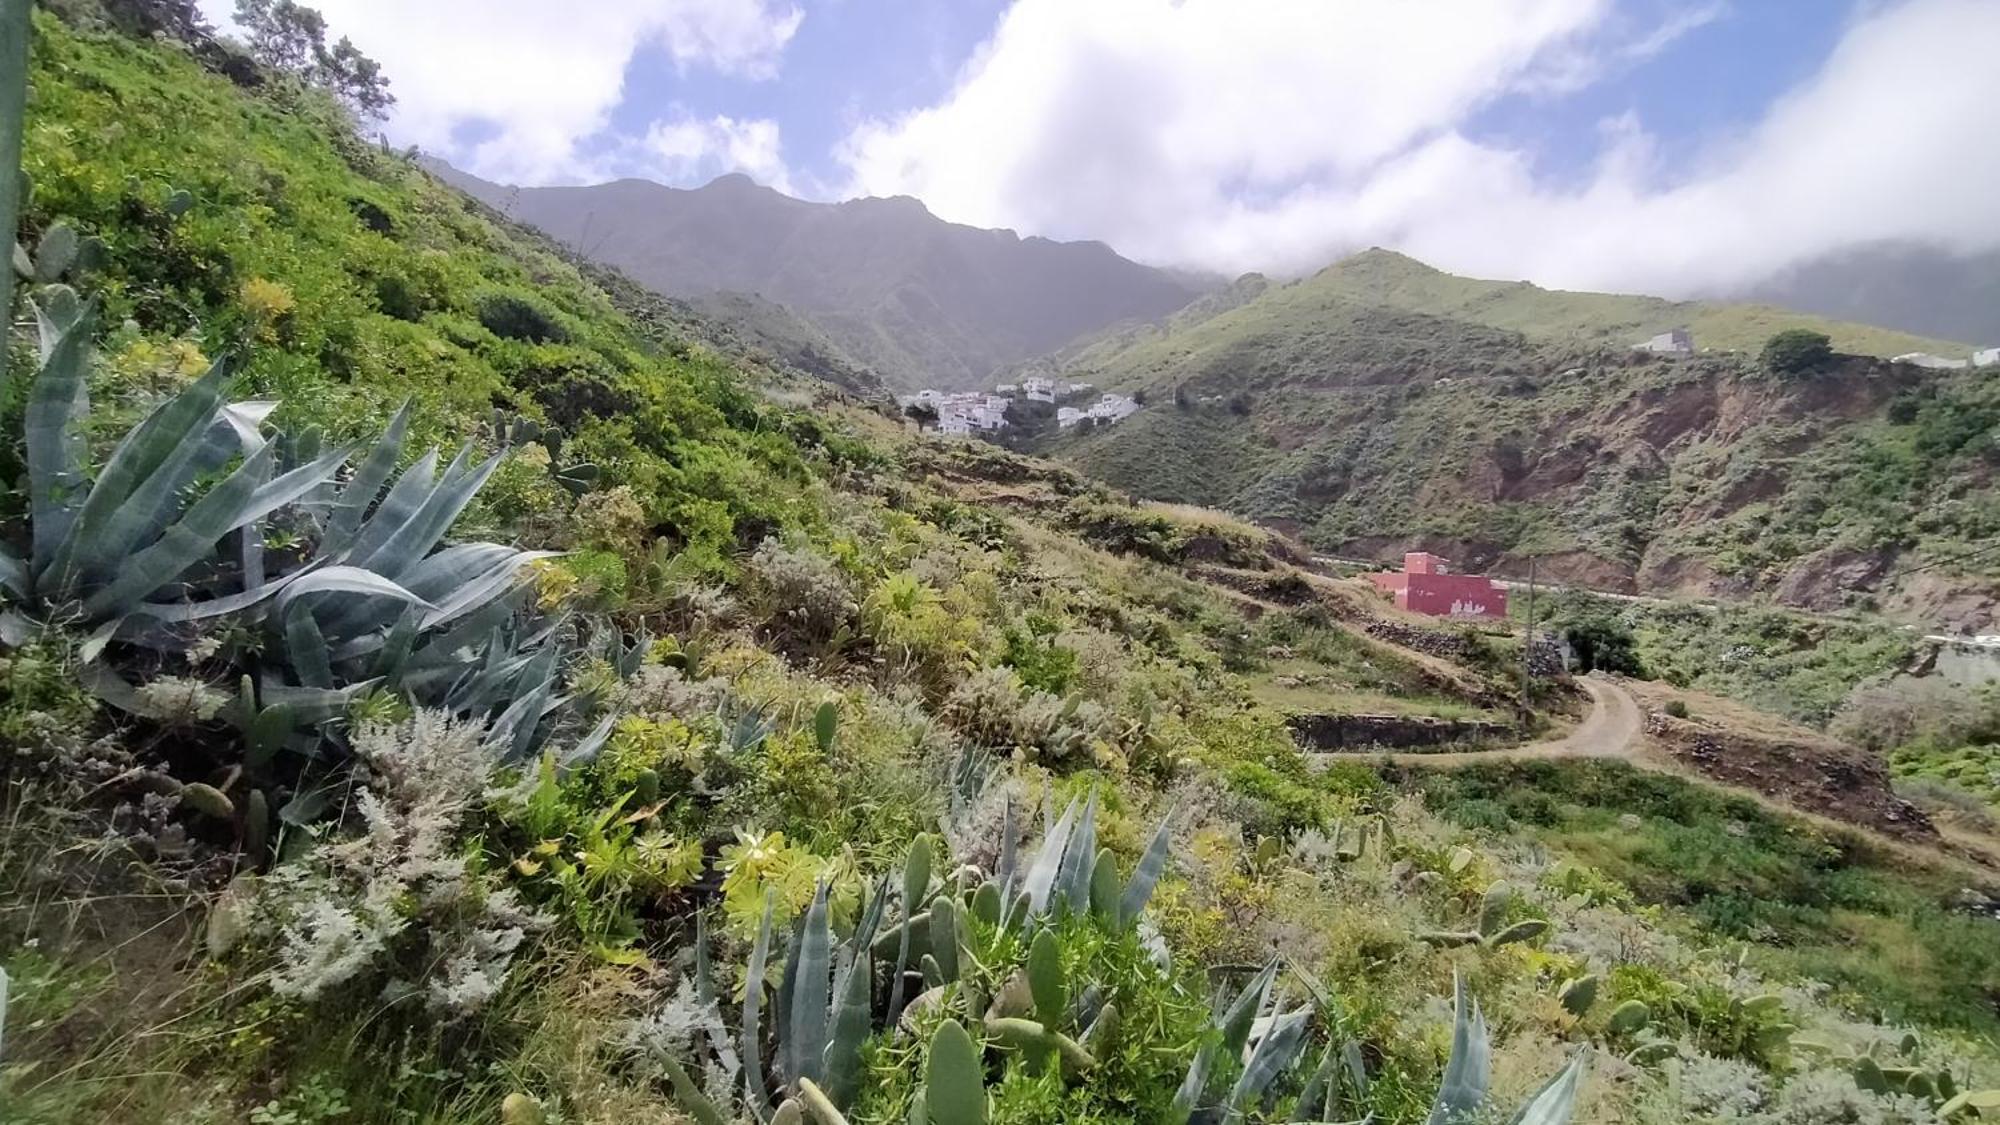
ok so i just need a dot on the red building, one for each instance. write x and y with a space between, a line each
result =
1425 586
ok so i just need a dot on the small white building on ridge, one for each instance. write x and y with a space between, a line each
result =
1926 359
1677 342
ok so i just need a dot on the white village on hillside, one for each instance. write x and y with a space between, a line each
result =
965 413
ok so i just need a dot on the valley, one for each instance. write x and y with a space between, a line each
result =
694 655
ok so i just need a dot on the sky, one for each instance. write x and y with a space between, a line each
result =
1666 146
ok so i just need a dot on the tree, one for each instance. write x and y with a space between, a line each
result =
179 20
1603 645
290 37
923 414
1796 351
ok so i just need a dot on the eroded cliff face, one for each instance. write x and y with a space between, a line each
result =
1700 478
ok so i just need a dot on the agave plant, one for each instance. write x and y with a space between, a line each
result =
828 1002
135 550
125 541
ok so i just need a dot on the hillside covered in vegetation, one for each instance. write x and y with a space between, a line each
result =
436 687
1382 403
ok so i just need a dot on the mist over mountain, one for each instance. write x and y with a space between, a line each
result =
1910 286
922 301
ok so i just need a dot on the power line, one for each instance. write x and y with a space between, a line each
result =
1935 563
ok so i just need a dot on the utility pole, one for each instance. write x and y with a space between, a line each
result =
1528 633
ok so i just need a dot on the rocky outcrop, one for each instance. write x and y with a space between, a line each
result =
1818 776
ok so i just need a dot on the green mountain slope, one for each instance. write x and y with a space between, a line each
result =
924 302
722 804
1382 403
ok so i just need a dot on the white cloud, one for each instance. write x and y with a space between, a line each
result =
528 79
688 149
1209 132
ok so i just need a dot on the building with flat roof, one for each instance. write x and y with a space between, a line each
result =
1426 585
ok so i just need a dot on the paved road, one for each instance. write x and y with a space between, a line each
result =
1610 730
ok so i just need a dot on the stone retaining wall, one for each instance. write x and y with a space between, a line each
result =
1335 733
1545 658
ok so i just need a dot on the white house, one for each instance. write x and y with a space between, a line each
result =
1039 390
1986 357
1677 342
1007 389
1926 359
957 425
1113 408
1067 416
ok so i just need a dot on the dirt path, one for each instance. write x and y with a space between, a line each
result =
1610 730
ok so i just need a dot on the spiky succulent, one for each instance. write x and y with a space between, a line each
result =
166 540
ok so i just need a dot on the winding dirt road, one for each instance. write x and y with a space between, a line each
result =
1610 730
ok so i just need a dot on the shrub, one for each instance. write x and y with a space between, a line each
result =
1797 351
401 897
1676 708
1603 644
514 317
804 597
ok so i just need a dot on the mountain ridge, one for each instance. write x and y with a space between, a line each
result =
922 301
1382 403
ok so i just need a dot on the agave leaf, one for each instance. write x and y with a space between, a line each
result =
753 998
1243 1012
306 648
16 25
1007 859
405 496
1555 1102
310 704
57 403
13 573
1193 1085
502 579
1151 864
1274 1054
368 480
590 745
1312 1103
1079 859
1047 864
1468 1073
215 607
517 724
441 509
351 580
689 1096
853 992
137 487
451 568
718 1036
99 680
236 500
807 1035
244 422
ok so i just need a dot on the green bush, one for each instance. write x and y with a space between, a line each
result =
514 317
1797 351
